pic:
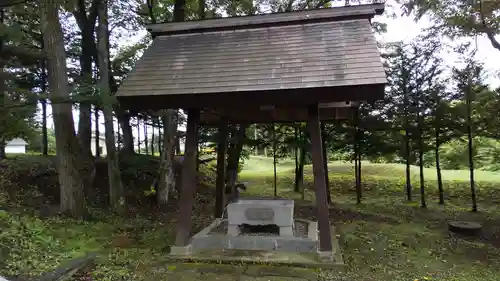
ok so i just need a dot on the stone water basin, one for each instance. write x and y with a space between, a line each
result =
261 212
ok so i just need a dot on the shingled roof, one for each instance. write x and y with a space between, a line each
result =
316 49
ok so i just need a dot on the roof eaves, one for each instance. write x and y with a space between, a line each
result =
367 11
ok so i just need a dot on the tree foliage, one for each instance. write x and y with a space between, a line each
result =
459 18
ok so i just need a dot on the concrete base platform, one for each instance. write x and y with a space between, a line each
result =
275 258
302 239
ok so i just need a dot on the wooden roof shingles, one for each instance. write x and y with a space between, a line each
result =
216 61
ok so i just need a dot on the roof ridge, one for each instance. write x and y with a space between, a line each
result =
364 11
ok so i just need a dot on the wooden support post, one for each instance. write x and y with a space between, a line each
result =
188 181
313 124
275 182
357 157
221 169
325 163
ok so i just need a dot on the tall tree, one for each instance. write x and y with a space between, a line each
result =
67 146
468 100
468 83
3 93
399 76
116 192
167 175
413 73
420 130
169 119
406 121
86 22
438 116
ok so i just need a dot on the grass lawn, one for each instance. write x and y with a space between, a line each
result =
387 238
384 238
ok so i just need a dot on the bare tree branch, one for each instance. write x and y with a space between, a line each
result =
488 31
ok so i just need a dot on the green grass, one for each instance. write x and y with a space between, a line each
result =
264 165
384 238
378 178
388 238
260 164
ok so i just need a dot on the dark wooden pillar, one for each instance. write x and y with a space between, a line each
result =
313 125
188 181
357 157
325 163
221 169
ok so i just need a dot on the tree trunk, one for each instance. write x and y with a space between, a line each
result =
357 159
438 164
407 149
160 148
116 191
86 24
167 175
97 133
275 181
299 176
146 143
84 128
423 202
177 143
153 136
359 173
67 146
2 86
355 156
188 193
470 147
170 119
296 188
118 136
43 101
198 148
201 9
128 137
221 166
45 139
255 136
357 165
234 153
408 168
2 149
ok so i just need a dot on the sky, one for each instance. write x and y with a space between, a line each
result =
398 29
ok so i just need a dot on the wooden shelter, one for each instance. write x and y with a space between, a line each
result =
280 67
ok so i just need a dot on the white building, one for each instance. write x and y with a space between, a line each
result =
16 146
